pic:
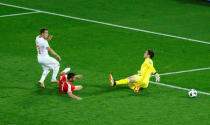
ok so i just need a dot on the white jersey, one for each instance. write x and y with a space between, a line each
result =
41 45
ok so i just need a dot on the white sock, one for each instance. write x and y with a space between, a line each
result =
66 69
44 75
55 72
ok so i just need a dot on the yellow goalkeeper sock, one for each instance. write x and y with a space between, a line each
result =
122 81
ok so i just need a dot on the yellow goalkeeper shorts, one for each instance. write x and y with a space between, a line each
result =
140 81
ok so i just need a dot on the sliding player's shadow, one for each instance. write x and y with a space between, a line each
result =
53 92
196 2
48 90
14 87
98 90
107 89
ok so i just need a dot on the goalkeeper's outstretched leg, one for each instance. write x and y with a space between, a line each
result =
130 81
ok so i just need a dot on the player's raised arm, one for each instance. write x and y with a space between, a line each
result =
78 76
50 38
74 96
53 52
157 76
151 67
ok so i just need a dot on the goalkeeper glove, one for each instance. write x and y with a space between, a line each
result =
157 76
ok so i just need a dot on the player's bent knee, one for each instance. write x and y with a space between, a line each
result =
145 86
56 66
81 87
132 79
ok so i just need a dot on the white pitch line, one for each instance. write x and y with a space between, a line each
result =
177 87
161 34
192 70
109 24
17 14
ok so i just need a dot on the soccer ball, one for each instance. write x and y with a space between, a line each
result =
192 93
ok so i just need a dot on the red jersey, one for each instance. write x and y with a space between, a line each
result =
65 86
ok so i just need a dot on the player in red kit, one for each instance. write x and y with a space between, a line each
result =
65 83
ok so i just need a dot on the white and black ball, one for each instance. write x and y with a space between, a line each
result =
192 93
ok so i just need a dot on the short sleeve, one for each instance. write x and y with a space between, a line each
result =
69 88
150 63
46 44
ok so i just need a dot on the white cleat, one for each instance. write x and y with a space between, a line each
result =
66 69
41 84
54 81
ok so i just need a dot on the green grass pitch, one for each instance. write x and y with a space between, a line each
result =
95 50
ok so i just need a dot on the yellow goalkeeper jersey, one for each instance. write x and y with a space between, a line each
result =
147 69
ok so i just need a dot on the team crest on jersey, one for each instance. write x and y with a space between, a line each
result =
150 62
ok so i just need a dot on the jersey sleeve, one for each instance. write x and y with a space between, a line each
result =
46 45
69 89
151 67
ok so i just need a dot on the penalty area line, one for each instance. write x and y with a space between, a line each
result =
183 71
177 87
17 14
109 24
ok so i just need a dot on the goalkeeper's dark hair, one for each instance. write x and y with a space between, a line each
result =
151 53
42 30
70 75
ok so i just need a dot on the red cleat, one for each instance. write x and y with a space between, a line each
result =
112 82
136 89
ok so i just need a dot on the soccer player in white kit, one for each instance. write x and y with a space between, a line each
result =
44 59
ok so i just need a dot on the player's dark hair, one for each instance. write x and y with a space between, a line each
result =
151 53
70 75
42 30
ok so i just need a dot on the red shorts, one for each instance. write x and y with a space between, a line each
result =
72 88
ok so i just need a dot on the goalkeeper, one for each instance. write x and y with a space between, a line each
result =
140 80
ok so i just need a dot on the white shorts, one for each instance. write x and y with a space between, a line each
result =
47 62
